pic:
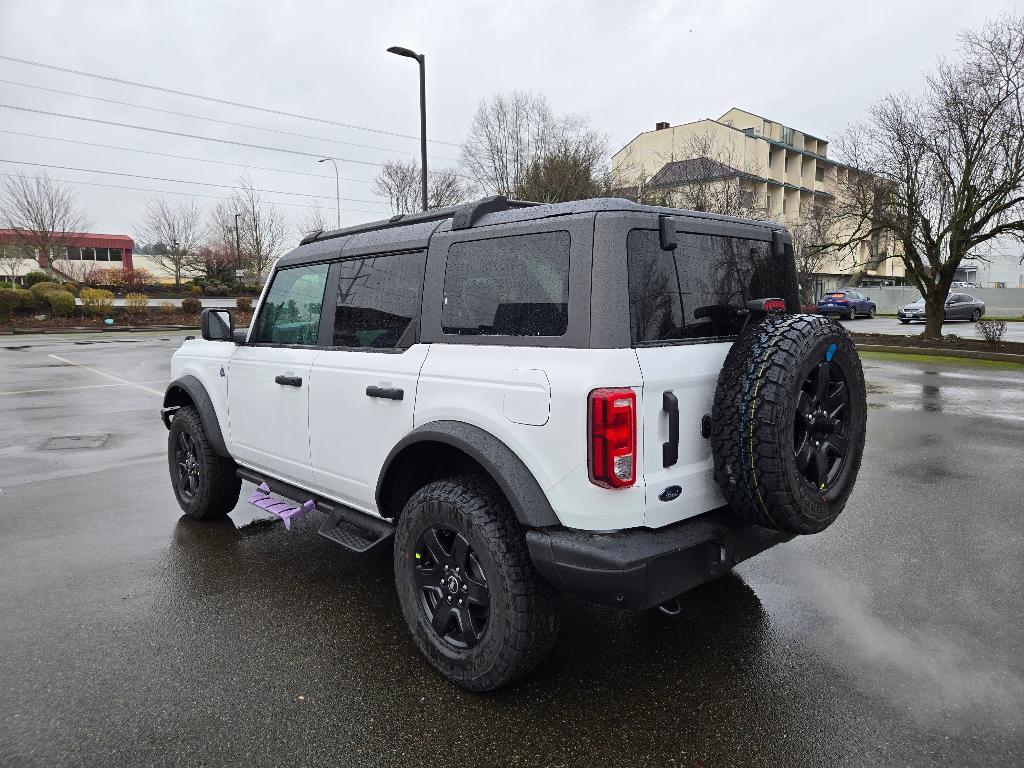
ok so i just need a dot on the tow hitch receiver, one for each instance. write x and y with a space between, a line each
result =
283 509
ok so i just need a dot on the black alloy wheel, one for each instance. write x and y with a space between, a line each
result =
976 316
452 586
822 425
188 466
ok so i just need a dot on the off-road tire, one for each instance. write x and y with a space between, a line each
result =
218 486
754 422
524 616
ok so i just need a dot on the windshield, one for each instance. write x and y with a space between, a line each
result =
918 303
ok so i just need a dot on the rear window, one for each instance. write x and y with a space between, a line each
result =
508 286
692 293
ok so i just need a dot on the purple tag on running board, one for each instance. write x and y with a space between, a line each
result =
283 509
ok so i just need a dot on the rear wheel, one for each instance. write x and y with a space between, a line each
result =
852 314
476 607
788 423
204 483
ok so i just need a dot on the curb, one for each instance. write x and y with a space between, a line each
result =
104 329
967 354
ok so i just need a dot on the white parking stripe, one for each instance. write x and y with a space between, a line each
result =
68 389
98 372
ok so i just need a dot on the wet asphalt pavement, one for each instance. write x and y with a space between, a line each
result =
129 636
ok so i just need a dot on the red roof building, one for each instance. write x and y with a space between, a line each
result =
107 251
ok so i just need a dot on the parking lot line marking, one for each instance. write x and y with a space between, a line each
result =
98 372
69 389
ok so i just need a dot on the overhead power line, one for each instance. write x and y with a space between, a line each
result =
182 157
217 120
185 135
191 194
186 181
227 102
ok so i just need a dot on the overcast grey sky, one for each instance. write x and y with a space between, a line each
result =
626 65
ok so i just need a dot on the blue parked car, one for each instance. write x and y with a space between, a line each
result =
846 303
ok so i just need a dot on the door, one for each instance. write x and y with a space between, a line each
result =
269 377
365 382
683 323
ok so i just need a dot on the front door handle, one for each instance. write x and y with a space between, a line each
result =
388 393
288 381
670 448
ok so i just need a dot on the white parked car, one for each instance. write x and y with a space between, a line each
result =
601 398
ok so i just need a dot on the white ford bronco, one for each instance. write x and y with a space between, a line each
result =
602 398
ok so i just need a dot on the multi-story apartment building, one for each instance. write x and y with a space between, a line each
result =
777 172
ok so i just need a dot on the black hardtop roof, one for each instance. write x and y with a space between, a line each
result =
412 231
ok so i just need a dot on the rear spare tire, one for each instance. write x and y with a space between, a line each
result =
788 423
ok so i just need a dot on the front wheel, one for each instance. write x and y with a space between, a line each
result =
905 322
476 607
204 483
871 313
976 316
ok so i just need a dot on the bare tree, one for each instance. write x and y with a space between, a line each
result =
13 258
573 169
399 182
312 221
262 226
43 214
178 225
509 133
944 171
814 231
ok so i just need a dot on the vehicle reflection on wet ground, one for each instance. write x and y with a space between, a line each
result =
132 636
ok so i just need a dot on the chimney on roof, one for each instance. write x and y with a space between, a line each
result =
660 126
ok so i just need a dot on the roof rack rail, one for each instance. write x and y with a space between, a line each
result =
467 215
464 216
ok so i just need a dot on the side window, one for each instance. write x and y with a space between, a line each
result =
378 301
508 286
694 291
290 315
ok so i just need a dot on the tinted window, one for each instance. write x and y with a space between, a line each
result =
509 286
291 311
378 301
694 291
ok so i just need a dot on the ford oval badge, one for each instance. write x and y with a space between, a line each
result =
670 493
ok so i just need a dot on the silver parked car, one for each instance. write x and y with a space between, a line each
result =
959 306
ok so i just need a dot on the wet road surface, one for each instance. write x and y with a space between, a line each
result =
129 636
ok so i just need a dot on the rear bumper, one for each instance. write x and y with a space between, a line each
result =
834 310
641 568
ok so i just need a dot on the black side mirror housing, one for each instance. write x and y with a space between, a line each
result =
218 325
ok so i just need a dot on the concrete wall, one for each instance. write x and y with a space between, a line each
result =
999 302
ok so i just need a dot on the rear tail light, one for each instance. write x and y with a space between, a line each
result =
611 436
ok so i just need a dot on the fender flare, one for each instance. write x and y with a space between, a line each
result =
524 494
193 389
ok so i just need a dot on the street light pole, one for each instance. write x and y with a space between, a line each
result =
238 247
337 186
421 59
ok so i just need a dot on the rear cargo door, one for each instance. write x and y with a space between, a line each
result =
684 318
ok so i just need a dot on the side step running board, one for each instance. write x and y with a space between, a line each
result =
352 529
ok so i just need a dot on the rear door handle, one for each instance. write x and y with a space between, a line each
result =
289 381
388 393
670 448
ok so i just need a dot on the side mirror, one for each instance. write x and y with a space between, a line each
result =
867 298
218 325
